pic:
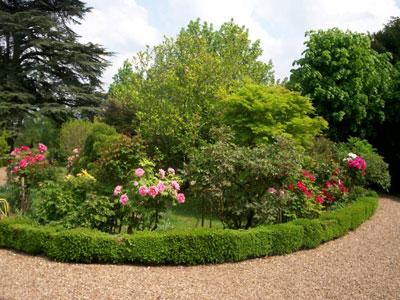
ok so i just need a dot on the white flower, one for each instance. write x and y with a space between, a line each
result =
352 155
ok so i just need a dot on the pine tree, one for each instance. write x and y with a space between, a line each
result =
43 66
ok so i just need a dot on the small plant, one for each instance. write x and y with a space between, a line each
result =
4 208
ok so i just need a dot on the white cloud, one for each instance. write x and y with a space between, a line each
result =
124 26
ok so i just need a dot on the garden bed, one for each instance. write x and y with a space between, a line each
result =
189 247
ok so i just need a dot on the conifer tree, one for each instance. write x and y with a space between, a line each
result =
43 67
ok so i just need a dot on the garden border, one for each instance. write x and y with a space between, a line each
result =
185 247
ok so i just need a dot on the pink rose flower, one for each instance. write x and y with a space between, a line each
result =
24 148
15 170
272 190
15 152
42 147
23 163
153 191
161 187
123 199
143 191
39 157
171 171
139 172
319 199
162 173
180 198
135 183
175 185
117 190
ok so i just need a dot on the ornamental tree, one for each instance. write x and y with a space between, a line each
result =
43 67
170 92
258 113
345 78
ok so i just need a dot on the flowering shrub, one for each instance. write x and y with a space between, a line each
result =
307 197
369 169
26 166
241 185
143 201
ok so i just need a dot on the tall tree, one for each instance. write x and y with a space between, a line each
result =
43 66
173 88
388 40
346 79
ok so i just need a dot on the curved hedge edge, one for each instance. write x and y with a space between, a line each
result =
198 246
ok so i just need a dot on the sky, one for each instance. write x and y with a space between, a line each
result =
127 26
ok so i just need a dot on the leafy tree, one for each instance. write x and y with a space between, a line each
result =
43 67
258 113
173 88
388 40
346 79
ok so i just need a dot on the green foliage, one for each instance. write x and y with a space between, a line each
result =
39 129
183 247
387 40
95 212
377 173
4 147
117 161
73 135
235 179
43 67
172 89
259 113
100 135
52 202
346 80
322 159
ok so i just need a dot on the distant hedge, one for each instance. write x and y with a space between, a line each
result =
197 246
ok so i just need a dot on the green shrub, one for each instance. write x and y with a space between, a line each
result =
235 179
189 247
377 172
117 160
100 135
4 148
322 159
258 113
40 129
73 135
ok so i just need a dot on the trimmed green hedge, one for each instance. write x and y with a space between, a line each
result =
196 246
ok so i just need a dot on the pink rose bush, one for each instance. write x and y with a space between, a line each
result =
24 159
144 200
26 166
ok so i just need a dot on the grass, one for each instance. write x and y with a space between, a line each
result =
184 217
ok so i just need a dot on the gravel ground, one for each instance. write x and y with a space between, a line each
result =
364 264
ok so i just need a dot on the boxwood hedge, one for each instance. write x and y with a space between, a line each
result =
197 246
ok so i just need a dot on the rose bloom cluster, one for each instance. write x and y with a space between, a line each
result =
24 157
357 163
154 190
319 198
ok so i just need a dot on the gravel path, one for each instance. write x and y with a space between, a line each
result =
364 264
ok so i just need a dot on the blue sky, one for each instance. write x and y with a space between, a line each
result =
127 26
